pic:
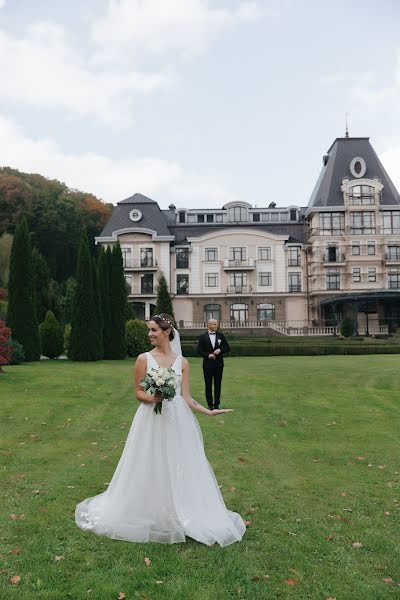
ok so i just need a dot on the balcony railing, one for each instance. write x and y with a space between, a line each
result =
392 256
141 264
295 287
294 262
238 289
238 264
333 258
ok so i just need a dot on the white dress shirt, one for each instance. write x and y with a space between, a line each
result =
213 337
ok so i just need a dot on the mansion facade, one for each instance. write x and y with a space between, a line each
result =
285 267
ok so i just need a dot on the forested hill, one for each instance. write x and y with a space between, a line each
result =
55 213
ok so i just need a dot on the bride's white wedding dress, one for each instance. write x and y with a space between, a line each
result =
163 488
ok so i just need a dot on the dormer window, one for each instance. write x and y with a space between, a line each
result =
237 214
361 195
182 216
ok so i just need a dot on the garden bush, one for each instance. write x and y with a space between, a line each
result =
347 327
17 353
136 337
51 336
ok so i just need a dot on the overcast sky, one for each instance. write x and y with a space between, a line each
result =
196 102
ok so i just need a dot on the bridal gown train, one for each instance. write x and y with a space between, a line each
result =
163 488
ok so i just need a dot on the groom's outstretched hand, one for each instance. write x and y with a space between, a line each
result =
220 411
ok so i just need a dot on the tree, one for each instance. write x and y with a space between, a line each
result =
105 299
83 340
67 300
99 315
118 304
5 347
41 282
164 302
347 327
5 251
21 314
51 336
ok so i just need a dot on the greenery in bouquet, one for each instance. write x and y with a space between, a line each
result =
161 382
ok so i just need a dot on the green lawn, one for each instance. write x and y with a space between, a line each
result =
310 456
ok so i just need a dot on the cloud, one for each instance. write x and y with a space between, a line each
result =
391 161
43 70
112 179
2 3
156 27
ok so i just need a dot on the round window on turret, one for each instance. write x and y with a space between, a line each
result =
358 167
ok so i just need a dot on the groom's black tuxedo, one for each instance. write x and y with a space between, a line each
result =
213 367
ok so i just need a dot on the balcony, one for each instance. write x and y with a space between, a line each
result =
333 259
393 257
296 287
294 262
238 289
239 265
141 265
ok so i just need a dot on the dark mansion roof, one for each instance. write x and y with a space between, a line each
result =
336 167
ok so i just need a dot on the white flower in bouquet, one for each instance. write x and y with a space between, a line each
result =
162 382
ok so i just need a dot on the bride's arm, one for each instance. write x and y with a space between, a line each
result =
140 372
185 392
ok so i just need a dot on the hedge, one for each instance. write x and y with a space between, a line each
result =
248 349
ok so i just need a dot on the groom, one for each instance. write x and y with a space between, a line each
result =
212 346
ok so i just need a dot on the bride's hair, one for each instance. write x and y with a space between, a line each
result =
165 322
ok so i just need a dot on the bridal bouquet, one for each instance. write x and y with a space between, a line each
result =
161 382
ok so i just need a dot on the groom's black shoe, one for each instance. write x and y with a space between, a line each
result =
210 407
216 406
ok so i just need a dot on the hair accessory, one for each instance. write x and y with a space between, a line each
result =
163 319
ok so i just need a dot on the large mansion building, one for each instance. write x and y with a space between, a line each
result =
291 266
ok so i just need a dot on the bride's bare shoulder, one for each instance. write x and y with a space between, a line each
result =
141 359
185 364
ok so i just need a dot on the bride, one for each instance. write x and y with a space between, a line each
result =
163 488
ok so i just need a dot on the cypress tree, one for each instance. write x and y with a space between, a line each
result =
164 302
83 339
41 281
51 336
99 315
118 304
105 300
21 316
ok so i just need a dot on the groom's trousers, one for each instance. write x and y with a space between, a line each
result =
213 375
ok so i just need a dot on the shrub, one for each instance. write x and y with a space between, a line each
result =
17 353
136 337
347 327
51 336
3 310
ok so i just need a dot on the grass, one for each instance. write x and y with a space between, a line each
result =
311 453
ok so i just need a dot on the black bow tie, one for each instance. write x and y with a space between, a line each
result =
211 332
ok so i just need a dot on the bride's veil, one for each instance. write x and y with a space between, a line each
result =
176 343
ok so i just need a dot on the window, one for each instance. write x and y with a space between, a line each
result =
356 273
333 279
265 279
212 311
391 221
182 258
256 217
294 282
182 217
238 282
362 195
211 279
266 217
211 254
237 254
237 214
265 311
294 256
393 252
371 274
129 281
355 248
394 279
200 218
370 248
146 283
210 218
146 257
293 214
331 223
127 257
182 284
264 253
362 223
219 218
283 216
332 253
239 312
274 217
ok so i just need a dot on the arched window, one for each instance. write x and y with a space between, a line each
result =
237 214
212 311
361 194
239 312
266 311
